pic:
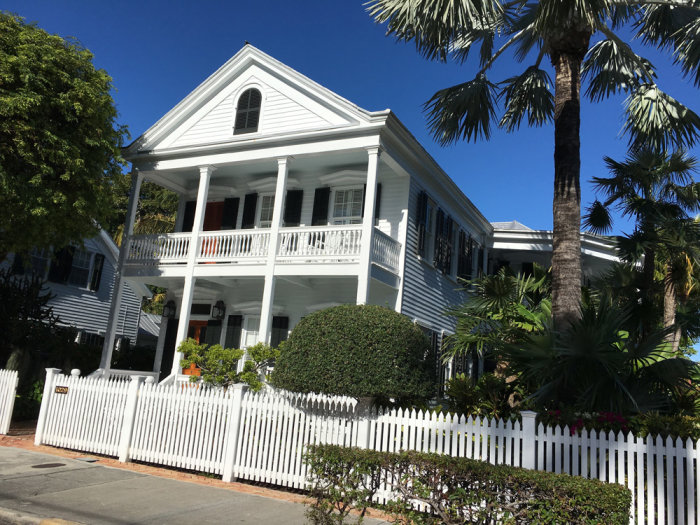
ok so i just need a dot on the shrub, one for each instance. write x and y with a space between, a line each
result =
219 366
490 396
358 351
457 490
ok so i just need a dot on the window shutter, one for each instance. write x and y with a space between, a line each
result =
61 265
421 217
319 215
233 332
280 328
97 265
377 201
213 333
292 207
230 214
461 255
449 239
249 205
188 216
248 112
480 262
439 255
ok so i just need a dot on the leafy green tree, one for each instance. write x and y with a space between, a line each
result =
593 365
579 40
59 141
501 309
657 190
218 366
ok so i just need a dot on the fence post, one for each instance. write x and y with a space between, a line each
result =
231 436
45 400
132 397
364 412
528 437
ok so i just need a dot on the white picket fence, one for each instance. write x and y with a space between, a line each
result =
8 392
262 437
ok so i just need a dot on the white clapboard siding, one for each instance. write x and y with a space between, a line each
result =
266 434
8 392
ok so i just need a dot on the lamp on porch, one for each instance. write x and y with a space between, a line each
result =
218 310
169 309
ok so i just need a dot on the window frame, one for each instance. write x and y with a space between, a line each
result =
259 210
237 98
346 220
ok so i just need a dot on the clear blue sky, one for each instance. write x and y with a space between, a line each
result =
157 52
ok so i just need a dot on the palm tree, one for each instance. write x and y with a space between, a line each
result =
566 32
658 191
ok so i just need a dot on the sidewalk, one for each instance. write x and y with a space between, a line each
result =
40 487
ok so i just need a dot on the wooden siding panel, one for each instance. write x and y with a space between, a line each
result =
280 114
426 292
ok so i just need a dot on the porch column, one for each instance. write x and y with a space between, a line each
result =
269 289
188 289
116 301
158 359
363 276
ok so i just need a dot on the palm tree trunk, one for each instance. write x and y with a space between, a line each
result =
566 57
670 304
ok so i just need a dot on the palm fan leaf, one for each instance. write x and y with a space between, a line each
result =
529 93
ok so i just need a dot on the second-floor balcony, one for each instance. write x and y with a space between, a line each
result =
300 245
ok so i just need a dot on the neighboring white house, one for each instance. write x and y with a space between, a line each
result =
293 199
81 280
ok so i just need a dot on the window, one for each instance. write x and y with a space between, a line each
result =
80 269
248 112
39 260
347 206
267 207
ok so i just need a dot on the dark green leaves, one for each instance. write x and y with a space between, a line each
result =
462 112
597 218
611 66
656 120
688 50
528 94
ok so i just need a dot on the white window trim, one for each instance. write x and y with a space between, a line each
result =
334 191
258 211
236 97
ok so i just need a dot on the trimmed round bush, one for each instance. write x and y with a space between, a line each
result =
357 351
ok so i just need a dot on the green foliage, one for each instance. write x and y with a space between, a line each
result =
28 401
59 141
593 365
218 366
491 396
501 309
457 490
358 351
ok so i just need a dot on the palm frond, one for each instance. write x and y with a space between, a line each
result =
660 23
688 50
611 66
552 15
529 93
462 112
657 121
435 25
597 218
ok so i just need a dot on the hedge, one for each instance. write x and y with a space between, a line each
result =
457 490
357 351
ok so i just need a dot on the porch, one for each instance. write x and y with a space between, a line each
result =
305 245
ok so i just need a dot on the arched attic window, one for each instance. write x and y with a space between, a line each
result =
248 112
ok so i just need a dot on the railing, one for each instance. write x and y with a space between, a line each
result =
159 248
386 251
230 245
320 244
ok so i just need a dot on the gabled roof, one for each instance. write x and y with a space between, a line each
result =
209 109
510 225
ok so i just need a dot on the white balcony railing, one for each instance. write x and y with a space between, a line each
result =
386 251
315 244
320 244
168 248
233 245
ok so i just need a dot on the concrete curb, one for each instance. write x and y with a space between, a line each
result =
16 517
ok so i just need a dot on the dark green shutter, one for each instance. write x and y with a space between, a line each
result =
280 330
213 333
233 332
188 216
421 217
319 215
230 213
97 272
292 207
61 265
249 206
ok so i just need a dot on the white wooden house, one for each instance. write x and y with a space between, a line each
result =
81 281
292 199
